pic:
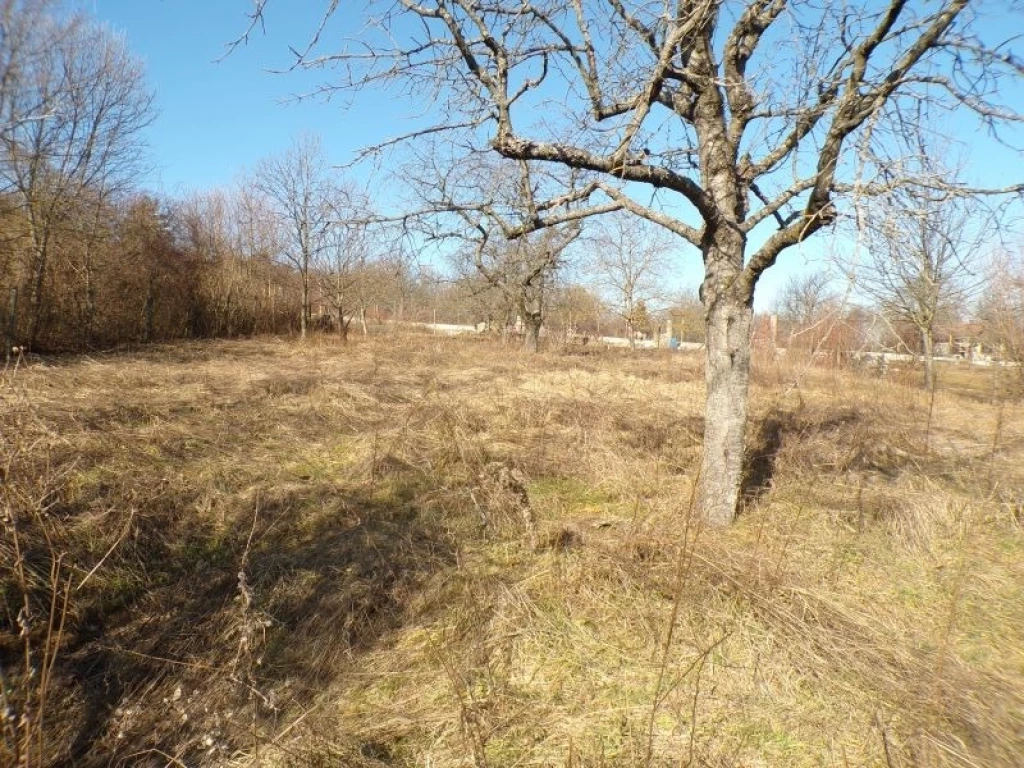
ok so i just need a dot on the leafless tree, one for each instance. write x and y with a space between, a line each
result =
576 309
74 104
305 200
383 280
487 209
27 32
737 126
630 260
203 224
922 261
340 269
808 306
522 271
1002 308
805 297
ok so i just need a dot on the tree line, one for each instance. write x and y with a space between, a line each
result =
90 261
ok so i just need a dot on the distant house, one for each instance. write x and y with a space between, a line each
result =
964 340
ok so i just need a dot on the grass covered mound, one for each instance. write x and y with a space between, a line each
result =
417 551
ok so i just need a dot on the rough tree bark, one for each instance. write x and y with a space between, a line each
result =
532 322
729 317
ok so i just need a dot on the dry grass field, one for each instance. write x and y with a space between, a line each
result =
412 551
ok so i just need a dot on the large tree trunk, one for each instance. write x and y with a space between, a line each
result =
728 314
531 340
928 348
727 378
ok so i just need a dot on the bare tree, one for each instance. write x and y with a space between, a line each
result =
305 201
203 224
743 118
630 261
487 208
256 243
1002 308
340 271
576 309
74 104
922 260
522 271
146 259
805 297
806 304
28 31
380 282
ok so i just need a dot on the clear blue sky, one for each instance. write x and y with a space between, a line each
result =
219 116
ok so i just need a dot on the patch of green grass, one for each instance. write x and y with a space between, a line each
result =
572 494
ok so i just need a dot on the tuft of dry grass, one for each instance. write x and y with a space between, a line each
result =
422 551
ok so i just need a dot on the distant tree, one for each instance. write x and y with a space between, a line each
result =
305 200
805 297
382 280
205 228
922 259
640 320
576 309
630 261
686 314
341 266
805 304
155 288
485 208
255 245
522 271
395 275
1002 308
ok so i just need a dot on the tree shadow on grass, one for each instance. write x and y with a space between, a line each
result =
761 457
763 449
242 625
